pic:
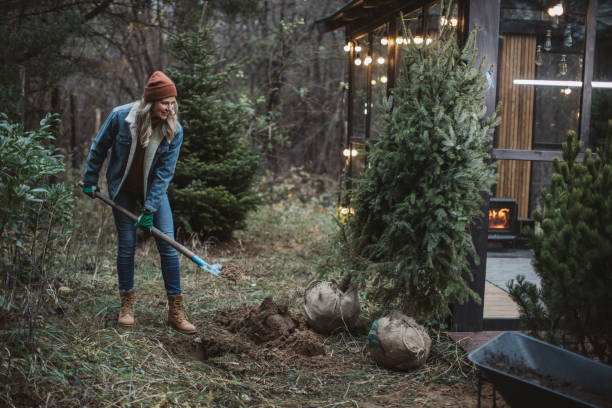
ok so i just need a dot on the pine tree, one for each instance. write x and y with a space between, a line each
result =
572 254
212 188
416 201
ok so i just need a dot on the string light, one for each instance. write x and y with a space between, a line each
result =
373 82
357 61
351 152
383 79
384 41
367 60
347 47
346 211
380 60
357 48
444 21
418 40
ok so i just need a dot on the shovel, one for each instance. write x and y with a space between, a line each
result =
213 269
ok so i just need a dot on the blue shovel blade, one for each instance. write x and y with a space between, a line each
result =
214 269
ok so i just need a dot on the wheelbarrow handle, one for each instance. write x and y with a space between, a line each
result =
213 269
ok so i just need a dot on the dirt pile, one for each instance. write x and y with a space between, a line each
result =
233 272
251 328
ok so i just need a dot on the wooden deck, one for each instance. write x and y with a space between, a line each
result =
498 304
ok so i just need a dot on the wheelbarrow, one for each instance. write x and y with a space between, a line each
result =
529 372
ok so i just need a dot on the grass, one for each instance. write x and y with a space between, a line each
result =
79 357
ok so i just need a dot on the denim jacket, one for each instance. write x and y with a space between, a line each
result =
119 135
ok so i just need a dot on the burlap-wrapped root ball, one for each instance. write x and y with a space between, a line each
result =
327 308
396 341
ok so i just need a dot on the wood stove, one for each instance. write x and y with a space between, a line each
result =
502 219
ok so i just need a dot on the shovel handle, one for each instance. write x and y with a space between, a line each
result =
158 234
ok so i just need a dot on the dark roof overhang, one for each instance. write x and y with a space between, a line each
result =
362 16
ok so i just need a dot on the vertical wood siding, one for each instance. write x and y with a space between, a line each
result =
516 128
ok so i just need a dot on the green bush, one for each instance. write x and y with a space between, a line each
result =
572 254
35 214
212 188
415 202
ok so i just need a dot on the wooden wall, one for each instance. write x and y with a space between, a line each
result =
516 128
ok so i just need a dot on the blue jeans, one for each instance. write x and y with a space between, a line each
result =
126 234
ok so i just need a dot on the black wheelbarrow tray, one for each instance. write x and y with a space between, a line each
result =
529 372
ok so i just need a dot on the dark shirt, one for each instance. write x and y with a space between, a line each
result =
134 182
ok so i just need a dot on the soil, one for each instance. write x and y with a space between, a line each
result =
266 332
233 272
501 363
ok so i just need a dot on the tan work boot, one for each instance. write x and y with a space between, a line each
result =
176 315
126 313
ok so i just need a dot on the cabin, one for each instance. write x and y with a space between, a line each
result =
551 74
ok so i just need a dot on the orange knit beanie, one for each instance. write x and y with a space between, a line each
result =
159 86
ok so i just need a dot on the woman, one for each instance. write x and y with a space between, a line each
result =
144 139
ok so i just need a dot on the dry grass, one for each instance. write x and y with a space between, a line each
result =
81 358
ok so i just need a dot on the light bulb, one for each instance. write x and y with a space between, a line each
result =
357 48
354 152
347 47
384 41
380 60
443 21
556 10
346 211
548 41
539 58
373 82
566 91
383 79
428 41
399 40
418 40
454 21
357 61
367 60
346 152
568 41
563 65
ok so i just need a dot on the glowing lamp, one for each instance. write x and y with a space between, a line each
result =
556 10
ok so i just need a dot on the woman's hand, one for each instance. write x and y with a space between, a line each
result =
145 221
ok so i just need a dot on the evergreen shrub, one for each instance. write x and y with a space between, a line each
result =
212 189
35 216
415 202
572 254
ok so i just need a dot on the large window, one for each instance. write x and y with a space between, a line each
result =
541 70
601 103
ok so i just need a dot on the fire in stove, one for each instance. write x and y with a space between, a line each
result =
502 219
499 218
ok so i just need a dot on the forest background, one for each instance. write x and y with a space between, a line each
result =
80 59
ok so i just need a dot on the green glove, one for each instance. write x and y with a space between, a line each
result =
90 190
145 221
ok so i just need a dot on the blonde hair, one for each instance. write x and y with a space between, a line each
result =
144 124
